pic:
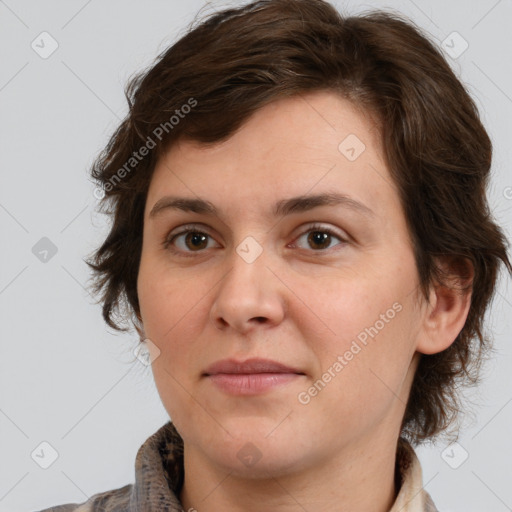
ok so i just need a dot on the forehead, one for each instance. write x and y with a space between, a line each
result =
307 143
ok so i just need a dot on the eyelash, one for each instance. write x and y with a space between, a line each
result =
169 240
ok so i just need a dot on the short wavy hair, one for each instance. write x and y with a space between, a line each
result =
237 60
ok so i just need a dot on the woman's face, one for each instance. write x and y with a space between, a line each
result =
327 289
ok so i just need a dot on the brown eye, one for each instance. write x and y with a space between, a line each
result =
195 240
319 239
189 241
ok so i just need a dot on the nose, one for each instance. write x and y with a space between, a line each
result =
249 295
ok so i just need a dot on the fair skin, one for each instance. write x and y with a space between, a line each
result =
302 302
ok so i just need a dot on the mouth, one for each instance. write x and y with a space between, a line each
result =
251 377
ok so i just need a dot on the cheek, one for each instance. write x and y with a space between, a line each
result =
369 345
168 304
346 309
173 316
375 364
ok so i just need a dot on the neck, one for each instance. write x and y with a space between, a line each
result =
358 479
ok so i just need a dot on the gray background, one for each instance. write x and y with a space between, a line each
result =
68 380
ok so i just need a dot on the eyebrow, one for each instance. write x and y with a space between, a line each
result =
281 208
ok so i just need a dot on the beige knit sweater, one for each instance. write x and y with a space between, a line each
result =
159 477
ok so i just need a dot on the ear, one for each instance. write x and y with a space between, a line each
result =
447 312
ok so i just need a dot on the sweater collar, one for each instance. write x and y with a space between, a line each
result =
159 475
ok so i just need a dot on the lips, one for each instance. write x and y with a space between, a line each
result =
251 377
250 366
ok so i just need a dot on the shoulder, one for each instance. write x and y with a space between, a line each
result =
116 500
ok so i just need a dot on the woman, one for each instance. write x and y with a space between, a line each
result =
301 234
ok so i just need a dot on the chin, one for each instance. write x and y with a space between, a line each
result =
259 461
257 449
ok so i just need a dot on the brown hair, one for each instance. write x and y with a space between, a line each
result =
238 60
